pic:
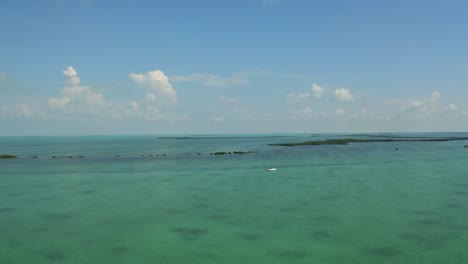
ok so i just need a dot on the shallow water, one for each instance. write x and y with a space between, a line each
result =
360 203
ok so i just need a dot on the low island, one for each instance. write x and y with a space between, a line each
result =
346 141
7 156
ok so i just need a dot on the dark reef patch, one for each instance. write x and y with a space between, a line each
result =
385 252
413 237
7 209
427 222
427 242
55 256
219 217
330 197
87 191
119 249
189 234
251 237
424 212
290 254
289 210
323 219
59 216
452 205
321 234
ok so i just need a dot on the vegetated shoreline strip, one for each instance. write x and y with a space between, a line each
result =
221 137
345 141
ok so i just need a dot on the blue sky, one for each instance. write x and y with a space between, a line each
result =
245 66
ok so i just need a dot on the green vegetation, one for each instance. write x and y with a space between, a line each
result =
68 157
7 156
345 141
232 153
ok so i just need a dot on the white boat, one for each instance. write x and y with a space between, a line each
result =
271 169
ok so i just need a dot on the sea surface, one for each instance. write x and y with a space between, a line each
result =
154 199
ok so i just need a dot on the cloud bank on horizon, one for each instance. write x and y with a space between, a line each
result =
232 73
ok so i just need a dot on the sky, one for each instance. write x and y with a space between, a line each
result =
94 67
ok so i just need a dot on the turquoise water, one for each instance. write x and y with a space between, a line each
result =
360 203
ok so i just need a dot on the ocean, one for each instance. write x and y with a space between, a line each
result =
168 199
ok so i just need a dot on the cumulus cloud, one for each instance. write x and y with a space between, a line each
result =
76 97
150 98
212 80
297 97
434 96
134 105
217 119
72 75
343 95
305 114
364 114
23 111
339 112
228 100
59 102
317 91
157 82
428 104
247 115
417 104
75 91
294 97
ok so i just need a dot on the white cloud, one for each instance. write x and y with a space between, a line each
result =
150 98
157 82
228 100
76 97
364 114
134 105
452 107
426 105
343 95
72 75
305 114
434 96
317 91
96 99
59 102
75 91
297 97
247 115
212 80
23 111
339 112
417 103
77 102
217 119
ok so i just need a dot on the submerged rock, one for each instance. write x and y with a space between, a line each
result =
7 156
232 153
